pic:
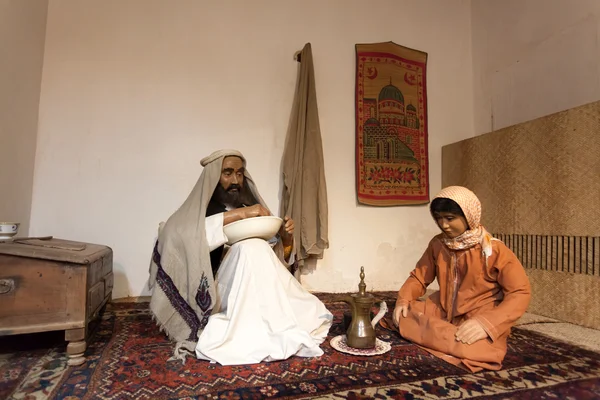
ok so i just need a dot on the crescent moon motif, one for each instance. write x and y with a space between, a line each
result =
372 72
409 79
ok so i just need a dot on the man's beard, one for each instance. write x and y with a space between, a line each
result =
234 198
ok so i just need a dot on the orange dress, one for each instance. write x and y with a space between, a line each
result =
496 295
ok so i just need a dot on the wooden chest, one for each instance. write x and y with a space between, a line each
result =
49 285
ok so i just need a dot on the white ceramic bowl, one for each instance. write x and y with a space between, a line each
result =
257 227
8 229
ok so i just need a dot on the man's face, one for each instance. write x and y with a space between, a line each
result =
232 176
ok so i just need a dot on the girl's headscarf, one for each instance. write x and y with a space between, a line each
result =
471 207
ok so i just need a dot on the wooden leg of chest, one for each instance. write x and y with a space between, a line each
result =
76 346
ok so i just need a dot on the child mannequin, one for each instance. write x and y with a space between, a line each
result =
483 288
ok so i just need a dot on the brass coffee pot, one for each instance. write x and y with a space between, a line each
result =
361 332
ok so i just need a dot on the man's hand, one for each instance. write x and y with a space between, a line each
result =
470 332
244 212
256 210
287 231
399 311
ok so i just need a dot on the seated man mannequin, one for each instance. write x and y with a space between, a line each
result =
252 309
235 200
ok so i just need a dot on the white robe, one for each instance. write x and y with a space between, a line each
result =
262 313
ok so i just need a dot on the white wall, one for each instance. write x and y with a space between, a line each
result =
134 93
533 58
22 33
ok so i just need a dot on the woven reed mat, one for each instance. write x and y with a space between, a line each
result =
539 177
574 334
569 297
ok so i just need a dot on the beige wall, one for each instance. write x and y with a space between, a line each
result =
134 93
22 34
533 58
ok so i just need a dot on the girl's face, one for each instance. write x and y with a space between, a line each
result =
452 225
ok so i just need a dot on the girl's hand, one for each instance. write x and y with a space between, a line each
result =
470 332
399 311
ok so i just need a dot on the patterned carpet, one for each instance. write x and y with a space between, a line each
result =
127 359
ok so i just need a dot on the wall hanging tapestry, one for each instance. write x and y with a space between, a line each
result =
391 125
